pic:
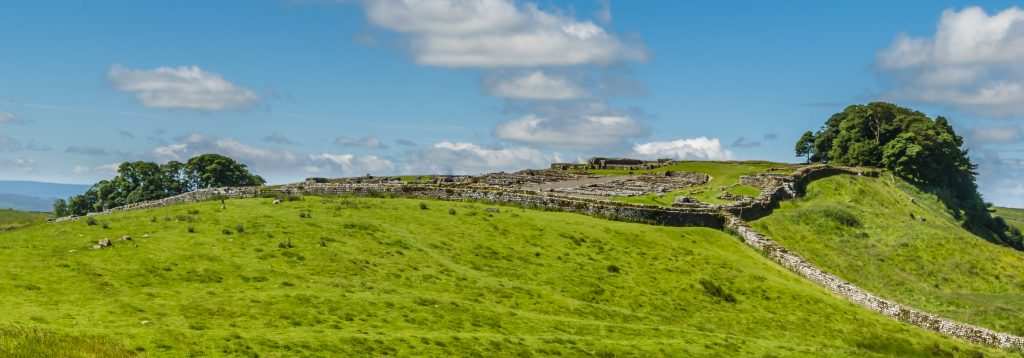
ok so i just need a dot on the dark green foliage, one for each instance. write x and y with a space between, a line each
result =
841 216
191 229
423 206
714 290
240 228
91 221
451 211
924 151
142 181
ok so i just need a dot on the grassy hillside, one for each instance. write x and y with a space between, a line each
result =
13 219
371 277
891 239
725 177
1014 217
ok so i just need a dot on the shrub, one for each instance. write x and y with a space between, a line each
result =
193 211
105 226
714 290
191 229
305 215
153 219
285 244
423 206
226 231
614 269
240 228
841 216
91 221
451 211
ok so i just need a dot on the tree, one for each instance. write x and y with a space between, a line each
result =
141 181
60 208
805 145
214 170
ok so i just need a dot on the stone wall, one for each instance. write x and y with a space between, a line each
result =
855 294
605 209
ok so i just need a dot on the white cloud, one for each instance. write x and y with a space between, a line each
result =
496 33
974 61
349 164
586 131
700 148
468 158
995 135
534 86
196 144
186 87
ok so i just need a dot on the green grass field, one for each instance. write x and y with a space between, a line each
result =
374 277
725 177
13 219
893 240
1014 217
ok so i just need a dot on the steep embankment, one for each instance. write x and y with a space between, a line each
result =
893 240
344 277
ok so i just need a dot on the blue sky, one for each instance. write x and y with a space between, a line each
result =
332 88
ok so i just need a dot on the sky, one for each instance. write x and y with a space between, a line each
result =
302 88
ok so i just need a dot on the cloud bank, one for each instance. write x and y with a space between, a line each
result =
186 87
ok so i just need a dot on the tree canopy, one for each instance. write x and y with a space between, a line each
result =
924 151
141 181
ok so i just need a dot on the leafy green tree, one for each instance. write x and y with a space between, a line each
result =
60 208
805 145
214 170
141 181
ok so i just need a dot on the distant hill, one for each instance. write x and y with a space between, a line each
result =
35 196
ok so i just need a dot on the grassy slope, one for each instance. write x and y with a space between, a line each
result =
383 276
905 247
723 176
1014 217
13 219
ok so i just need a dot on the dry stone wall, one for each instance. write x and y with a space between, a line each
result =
855 294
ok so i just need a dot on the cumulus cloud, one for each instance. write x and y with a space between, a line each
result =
534 85
585 131
497 33
700 148
349 164
995 135
186 87
368 142
972 62
468 158
196 144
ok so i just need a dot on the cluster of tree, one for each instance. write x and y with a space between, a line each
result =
141 181
926 152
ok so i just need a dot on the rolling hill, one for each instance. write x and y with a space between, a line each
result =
890 238
370 277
